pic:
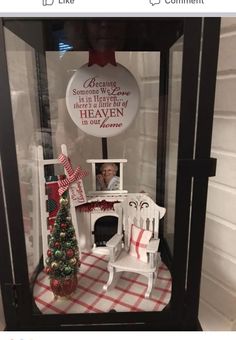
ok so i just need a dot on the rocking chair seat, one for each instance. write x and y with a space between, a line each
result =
128 263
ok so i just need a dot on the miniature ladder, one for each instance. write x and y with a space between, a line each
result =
43 197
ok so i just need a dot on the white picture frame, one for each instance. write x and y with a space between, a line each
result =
96 170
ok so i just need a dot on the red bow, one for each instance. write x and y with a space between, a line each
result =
73 176
102 58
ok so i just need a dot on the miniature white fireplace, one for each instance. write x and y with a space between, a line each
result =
89 220
102 224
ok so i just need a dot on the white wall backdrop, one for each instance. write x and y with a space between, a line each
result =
218 287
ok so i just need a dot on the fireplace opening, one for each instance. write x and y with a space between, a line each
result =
105 227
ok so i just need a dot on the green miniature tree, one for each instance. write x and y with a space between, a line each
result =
63 252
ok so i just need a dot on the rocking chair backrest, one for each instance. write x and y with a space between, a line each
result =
141 210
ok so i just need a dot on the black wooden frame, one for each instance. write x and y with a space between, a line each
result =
192 181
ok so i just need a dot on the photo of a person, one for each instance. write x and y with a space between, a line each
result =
107 178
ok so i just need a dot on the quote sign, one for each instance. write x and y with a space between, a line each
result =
102 101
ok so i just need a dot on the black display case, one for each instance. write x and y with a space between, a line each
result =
181 188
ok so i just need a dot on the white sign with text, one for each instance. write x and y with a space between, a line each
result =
77 193
102 101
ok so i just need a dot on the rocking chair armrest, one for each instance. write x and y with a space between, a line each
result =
114 241
153 245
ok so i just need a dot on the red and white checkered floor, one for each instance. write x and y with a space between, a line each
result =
128 295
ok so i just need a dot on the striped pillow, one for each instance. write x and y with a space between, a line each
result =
139 240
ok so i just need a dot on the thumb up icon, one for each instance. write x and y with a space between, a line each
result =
48 2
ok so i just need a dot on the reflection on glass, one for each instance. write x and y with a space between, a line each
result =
104 35
176 55
22 76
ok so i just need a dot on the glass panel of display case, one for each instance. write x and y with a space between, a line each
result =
72 239
175 71
23 85
145 68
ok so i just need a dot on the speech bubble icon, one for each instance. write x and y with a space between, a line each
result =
48 2
154 2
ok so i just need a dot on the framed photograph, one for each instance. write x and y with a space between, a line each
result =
107 176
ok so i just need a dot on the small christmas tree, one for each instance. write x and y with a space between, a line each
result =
63 253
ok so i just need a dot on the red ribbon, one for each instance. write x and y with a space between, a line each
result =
72 176
102 58
103 205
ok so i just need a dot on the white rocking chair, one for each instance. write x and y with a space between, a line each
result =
144 213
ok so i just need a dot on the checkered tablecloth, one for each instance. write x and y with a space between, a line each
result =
128 295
